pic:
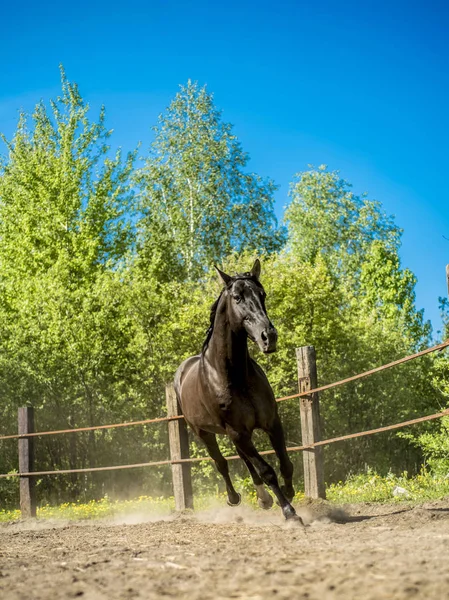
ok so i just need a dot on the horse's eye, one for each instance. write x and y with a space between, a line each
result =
237 298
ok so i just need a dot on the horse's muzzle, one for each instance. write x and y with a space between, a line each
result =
269 338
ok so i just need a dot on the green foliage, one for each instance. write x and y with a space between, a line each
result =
433 439
371 487
373 319
65 208
325 218
64 224
100 509
102 297
435 447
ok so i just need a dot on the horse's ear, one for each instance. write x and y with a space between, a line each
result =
255 271
225 278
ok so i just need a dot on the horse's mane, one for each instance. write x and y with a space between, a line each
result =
213 311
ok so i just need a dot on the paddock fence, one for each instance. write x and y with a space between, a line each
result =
180 460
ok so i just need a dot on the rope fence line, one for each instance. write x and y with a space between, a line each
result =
235 457
328 386
94 427
366 373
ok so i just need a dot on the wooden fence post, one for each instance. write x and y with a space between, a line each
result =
26 462
314 486
179 448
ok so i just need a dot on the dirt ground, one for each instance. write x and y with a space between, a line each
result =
364 551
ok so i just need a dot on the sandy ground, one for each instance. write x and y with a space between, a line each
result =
366 552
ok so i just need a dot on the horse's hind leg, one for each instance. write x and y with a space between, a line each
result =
221 463
264 499
276 435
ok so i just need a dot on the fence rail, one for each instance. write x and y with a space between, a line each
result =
303 394
329 386
178 461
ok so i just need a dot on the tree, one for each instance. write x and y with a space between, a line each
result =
433 438
376 322
325 218
65 231
198 201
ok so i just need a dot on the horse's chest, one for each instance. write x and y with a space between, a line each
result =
240 410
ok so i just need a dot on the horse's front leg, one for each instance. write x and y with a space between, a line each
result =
245 445
277 438
221 463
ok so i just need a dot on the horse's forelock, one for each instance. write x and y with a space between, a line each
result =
248 276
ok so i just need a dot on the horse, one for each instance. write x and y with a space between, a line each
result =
223 390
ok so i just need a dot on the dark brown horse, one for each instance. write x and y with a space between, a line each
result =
223 390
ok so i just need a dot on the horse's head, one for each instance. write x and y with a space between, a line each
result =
246 310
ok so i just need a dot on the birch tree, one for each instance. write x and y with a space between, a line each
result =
198 200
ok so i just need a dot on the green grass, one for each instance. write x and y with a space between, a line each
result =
371 487
96 509
367 487
107 508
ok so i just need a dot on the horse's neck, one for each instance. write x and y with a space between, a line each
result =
227 351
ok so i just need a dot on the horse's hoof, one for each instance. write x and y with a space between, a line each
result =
239 499
290 515
266 504
295 519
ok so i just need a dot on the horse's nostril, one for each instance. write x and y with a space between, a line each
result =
264 336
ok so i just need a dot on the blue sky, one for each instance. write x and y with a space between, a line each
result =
359 86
